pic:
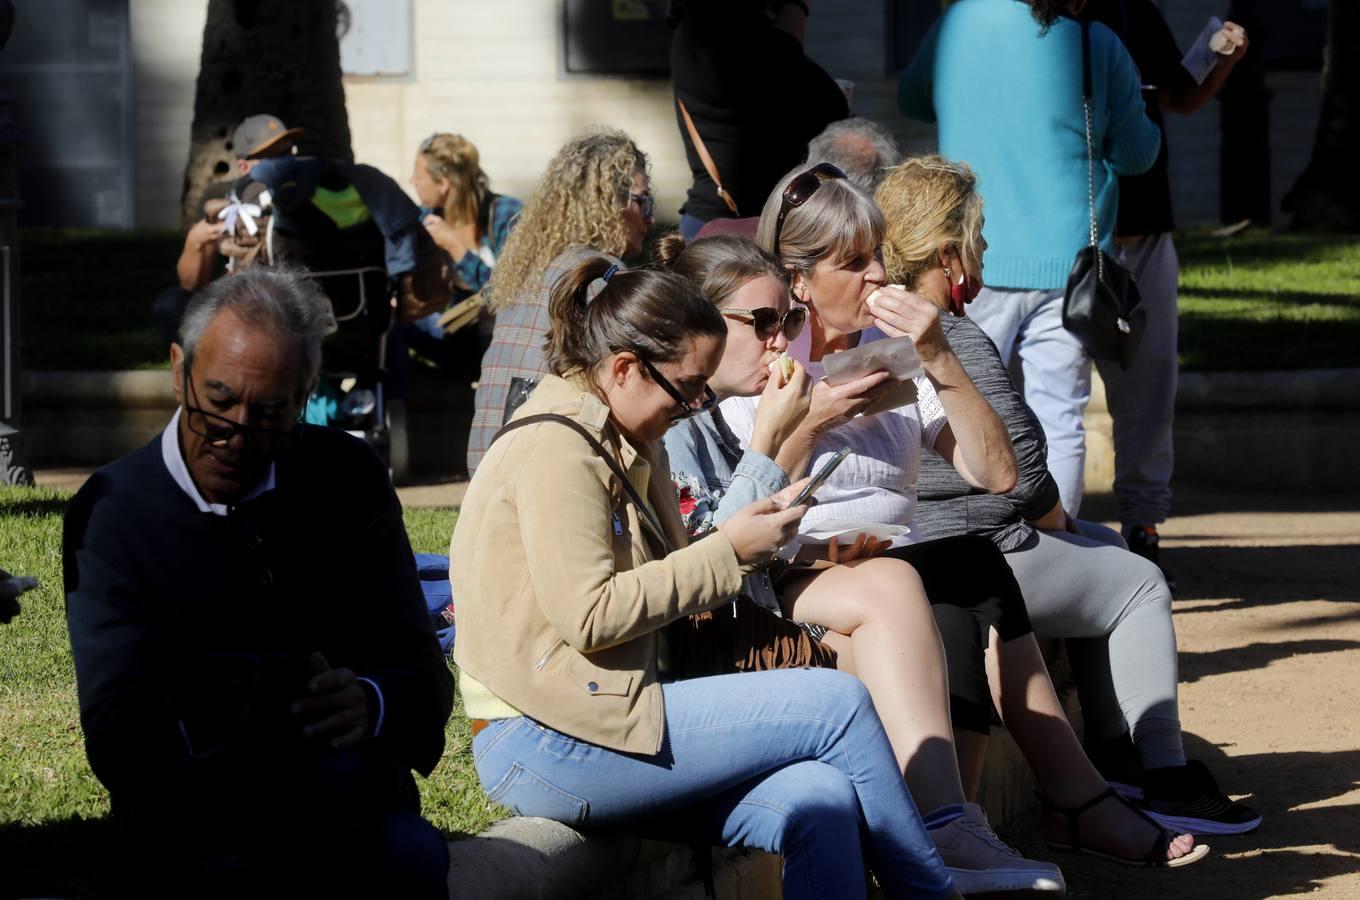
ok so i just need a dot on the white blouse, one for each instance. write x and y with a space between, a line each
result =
876 483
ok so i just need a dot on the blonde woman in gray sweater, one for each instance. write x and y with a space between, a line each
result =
1078 578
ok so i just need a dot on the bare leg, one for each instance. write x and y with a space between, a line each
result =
972 748
1024 694
877 610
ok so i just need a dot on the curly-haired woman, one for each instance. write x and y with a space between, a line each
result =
595 197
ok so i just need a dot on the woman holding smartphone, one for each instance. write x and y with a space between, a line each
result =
566 573
872 611
828 235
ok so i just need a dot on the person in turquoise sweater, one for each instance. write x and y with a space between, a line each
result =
1003 78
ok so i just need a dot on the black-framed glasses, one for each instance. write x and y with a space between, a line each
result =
799 190
646 203
705 401
767 321
220 430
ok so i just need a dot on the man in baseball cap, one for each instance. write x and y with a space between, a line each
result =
257 138
263 136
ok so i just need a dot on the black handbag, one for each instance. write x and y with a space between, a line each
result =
1101 302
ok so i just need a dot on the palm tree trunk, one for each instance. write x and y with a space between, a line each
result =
280 57
1326 196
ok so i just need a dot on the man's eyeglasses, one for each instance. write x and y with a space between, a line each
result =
703 403
220 430
646 204
799 190
767 321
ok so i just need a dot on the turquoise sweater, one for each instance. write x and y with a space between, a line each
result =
1008 102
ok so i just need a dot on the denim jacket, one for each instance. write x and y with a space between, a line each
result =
714 477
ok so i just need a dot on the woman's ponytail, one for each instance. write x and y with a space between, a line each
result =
597 308
568 344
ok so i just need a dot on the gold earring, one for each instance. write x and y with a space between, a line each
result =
948 274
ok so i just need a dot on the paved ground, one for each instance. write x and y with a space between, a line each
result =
1268 616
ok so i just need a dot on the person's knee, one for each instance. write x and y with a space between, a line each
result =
835 691
824 803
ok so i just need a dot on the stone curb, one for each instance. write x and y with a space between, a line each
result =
522 858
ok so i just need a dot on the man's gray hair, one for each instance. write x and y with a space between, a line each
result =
280 299
862 148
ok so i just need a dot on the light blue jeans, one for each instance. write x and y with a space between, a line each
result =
793 762
1057 375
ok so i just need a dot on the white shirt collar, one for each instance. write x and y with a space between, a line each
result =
174 461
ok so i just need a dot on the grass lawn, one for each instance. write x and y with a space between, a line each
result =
1269 301
52 810
1259 300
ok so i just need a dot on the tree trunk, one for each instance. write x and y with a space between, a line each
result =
1327 195
280 57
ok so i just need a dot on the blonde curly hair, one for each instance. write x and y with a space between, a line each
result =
579 202
930 203
454 158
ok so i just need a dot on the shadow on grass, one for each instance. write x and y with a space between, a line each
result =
69 858
32 507
1298 298
1259 248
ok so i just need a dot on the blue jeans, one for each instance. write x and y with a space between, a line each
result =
1057 375
791 761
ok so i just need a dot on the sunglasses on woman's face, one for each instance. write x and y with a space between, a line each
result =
646 204
703 403
799 190
767 321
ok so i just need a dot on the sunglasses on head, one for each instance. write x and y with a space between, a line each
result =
799 190
767 321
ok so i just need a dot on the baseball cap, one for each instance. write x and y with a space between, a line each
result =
743 227
257 136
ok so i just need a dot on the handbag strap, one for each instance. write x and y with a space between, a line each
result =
644 510
709 165
1087 100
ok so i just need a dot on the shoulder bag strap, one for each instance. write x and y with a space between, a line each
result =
1087 103
643 509
709 166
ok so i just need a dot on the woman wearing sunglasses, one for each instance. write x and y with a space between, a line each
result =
595 198
829 235
568 560
872 612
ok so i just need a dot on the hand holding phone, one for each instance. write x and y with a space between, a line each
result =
820 478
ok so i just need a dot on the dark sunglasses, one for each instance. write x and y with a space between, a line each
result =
687 408
799 190
767 321
220 430
646 203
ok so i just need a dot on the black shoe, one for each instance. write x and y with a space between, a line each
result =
1145 542
1119 763
1187 799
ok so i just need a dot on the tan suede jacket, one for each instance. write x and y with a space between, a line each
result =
561 586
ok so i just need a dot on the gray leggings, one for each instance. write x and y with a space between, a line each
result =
1118 608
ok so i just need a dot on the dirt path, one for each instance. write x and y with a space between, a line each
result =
1268 618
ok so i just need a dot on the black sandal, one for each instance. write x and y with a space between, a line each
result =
1155 858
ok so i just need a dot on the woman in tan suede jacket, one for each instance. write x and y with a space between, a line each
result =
564 581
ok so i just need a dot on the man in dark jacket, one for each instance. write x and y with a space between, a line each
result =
256 671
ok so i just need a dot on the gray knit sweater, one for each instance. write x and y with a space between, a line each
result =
946 504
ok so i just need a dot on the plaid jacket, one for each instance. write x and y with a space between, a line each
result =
516 351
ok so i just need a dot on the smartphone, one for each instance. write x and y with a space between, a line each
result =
820 478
